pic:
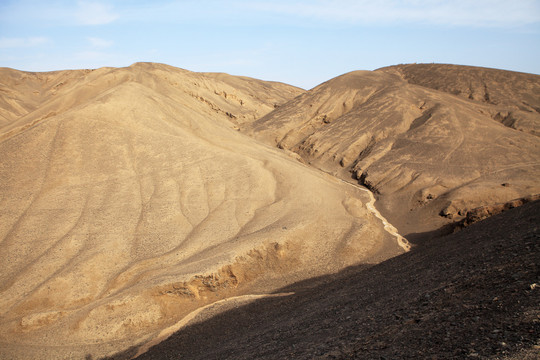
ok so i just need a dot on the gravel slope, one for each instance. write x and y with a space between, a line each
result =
470 294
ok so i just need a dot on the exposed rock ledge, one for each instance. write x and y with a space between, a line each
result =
483 212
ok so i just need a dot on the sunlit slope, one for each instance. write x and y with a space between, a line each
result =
30 97
428 153
134 205
515 96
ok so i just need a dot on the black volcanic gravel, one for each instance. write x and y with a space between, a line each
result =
472 294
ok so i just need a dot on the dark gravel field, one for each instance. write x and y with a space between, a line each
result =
472 294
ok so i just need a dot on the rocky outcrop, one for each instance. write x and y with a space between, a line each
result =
484 212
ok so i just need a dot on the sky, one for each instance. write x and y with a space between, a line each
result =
299 42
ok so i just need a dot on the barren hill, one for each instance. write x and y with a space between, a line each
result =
128 200
516 95
30 97
131 199
433 141
435 302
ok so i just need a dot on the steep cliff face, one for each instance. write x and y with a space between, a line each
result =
411 135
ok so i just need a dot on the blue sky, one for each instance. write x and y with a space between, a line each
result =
300 42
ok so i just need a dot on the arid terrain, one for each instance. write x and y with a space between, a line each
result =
473 294
137 202
428 139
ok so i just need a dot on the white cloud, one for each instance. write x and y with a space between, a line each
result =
23 42
57 12
94 13
450 12
100 43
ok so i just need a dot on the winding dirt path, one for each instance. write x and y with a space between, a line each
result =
405 245
402 242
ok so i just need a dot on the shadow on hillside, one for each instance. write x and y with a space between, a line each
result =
215 331
420 239
241 316
436 300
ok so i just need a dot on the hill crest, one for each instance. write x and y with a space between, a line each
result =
397 131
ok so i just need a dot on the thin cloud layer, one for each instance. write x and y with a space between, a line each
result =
57 13
372 12
94 13
478 13
6 43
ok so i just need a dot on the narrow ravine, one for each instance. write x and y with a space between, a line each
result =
402 242
389 228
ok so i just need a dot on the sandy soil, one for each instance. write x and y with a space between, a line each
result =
138 201
129 199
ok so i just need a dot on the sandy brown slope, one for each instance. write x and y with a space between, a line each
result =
128 200
426 152
438 301
27 97
23 92
516 95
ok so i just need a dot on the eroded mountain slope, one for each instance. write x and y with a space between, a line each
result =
135 202
429 154
516 95
29 97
